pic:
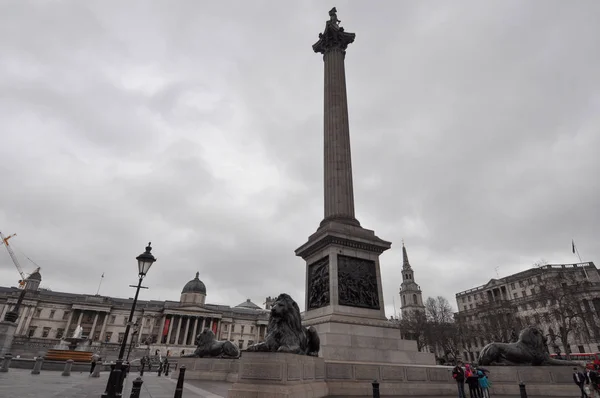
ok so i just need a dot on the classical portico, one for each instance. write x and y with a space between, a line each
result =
180 327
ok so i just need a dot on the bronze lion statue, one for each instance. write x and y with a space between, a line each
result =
209 346
285 332
530 349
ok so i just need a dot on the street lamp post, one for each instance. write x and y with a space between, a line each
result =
135 332
114 387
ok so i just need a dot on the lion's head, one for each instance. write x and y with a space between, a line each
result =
286 310
533 337
205 338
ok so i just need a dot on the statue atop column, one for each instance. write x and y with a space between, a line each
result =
334 37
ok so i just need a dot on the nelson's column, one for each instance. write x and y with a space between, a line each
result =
344 298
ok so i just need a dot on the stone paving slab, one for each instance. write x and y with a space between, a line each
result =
20 383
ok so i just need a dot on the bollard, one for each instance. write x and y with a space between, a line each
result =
96 372
522 390
179 388
67 371
39 361
6 363
375 389
137 388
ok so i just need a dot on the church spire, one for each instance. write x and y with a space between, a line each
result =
405 263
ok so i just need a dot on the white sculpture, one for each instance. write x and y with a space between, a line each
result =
78 332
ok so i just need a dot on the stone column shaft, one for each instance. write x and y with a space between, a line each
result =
91 336
103 330
196 320
139 336
229 331
80 318
69 320
170 329
339 193
162 329
179 322
187 330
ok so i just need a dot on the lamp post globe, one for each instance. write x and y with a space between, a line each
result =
145 260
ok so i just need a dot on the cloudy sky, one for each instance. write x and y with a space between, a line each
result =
197 125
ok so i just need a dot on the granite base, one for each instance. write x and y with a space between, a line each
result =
212 369
279 375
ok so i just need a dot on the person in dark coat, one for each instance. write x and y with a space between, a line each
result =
458 374
580 379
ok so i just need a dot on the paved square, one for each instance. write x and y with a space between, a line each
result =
21 383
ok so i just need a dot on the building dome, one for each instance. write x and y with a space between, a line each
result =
194 286
248 304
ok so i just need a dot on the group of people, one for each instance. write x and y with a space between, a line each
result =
588 381
476 379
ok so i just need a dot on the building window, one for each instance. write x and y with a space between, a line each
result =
38 312
66 315
251 331
415 299
470 306
108 337
241 343
469 298
45 332
465 307
59 333
31 331
515 295
521 284
52 312
225 327
242 329
581 349
112 319
524 293
88 319
512 286
463 300
124 320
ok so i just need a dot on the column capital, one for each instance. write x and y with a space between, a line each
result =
334 38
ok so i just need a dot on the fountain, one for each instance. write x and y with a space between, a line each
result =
75 347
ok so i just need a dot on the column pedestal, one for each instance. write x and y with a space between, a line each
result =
7 334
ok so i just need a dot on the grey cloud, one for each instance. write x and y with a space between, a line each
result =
198 126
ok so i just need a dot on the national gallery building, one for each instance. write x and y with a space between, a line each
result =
168 326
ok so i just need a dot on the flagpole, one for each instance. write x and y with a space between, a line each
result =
576 251
100 284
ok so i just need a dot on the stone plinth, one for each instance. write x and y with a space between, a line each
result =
7 334
279 375
213 369
368 343
347 379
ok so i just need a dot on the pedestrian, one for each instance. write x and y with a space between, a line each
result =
94 358
458 374
472 381
592 378
484 384
580 379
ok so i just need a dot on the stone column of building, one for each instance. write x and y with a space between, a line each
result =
179 319
172 320
152 323
28 322
210 323
187 330
162 328
139 335
3 312
22 316
196 320
69 320
103 330
80 318
203 324
229 331
91 336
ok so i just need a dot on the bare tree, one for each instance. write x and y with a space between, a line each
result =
558 302
415 326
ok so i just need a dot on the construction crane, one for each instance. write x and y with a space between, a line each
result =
14 259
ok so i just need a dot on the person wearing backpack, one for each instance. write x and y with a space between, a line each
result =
484 384
458 374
